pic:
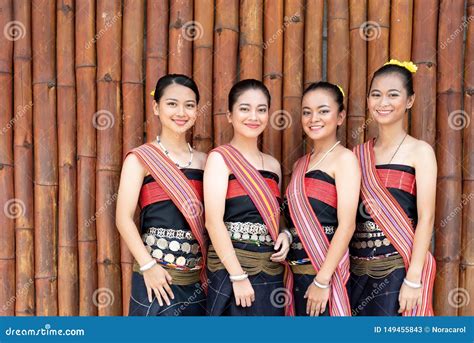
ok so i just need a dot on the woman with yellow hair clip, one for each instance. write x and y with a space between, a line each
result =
392 270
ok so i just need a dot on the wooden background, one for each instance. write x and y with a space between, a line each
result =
75 78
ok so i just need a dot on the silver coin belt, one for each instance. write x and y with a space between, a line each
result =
369 230
328 230
249 232
160 243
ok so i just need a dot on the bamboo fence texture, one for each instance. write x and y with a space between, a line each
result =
75 83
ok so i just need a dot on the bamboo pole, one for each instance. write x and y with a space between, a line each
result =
292 86
45 155
449 146
377 35
156 58
313 42
68 274
108 121
467 254
202 72
425 27
86 154
10 205
23 159
273 73
357 93
225 65
338 51
132 91
401 16
251 39
180 44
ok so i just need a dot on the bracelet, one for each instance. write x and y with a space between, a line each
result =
320 285
288 233
148 266
412 284
240 277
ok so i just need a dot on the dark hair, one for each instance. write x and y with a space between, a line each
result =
245 85
177 79
403 72
331 88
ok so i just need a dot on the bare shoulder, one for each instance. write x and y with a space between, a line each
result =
201 158
423 154
345 157
133 164
272 164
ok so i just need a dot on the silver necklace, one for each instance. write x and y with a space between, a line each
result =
167 153
325 155
398 148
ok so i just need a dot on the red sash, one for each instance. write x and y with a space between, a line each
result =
395 224
314 239
180 190
264 200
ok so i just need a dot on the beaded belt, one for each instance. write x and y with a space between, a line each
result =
251 262
378 267
370 244
328 230
171 252
249 232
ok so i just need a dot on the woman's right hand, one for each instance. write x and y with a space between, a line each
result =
158 280
243 293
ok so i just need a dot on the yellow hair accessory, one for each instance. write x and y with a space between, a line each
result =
342 91
152 93
409 65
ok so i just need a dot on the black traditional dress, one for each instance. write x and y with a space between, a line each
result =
254 246
377 269
169 239
321 191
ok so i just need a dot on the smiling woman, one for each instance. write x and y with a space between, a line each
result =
165 178
246 260
396 214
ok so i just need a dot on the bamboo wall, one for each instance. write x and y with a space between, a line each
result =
75 78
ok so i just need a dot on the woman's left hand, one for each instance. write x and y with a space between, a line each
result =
317 299
283 245
409 298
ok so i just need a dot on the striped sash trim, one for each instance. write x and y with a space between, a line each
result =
393 221
264 200
179 189
314 239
